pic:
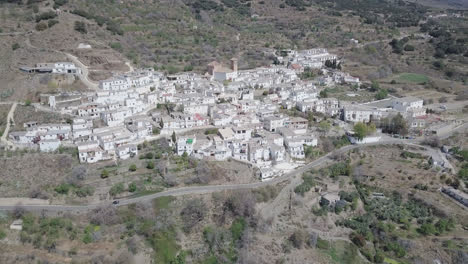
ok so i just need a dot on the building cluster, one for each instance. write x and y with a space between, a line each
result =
411 108
57 67
245 107
312 58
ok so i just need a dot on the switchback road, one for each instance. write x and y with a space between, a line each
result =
203 189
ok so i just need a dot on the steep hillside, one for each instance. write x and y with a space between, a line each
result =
185 35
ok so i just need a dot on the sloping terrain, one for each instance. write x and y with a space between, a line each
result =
185 35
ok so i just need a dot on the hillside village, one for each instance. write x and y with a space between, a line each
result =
144 104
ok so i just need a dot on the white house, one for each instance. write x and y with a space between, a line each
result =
185 145
409 106
49 145
89 152
360 113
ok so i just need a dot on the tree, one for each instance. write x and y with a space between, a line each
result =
173 137
382 94
395 125
374 86
360 130
358 239
427 229
41 26
298 238
80 26
323 93
150 165
193 213
409 47
324 202
116 189
104 174
324 125
15 46
132 187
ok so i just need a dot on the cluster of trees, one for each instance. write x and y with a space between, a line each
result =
333 64
306 185
443 41
59 3
300 5
362 130
75 183
382 93
44 232
111 25
46 16
401 45
383 216
240 6
395 13
80 26
394 125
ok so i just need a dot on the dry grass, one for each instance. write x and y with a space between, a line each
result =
25 114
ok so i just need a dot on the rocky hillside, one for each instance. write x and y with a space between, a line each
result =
185 35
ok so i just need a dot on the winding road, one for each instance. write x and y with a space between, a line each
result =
202 189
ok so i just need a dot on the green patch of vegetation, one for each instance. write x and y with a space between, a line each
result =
162 203
411 155
165 246
362 130
337 169
343 252
390 261
44 232
413 78
341 142
237 228
306 185
211 131
393 216
80 191
116 189
266 193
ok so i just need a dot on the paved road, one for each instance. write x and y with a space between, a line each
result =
218 188
201 189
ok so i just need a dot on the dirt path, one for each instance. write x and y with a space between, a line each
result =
84 69
9 119
84 72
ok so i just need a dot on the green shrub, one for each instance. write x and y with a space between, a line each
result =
84 191
427 229
104 174
41 26
52 22
237 228
80 26
382 94
15 46
132 187
46 16
132 167
63 188
150 165
322 244
117 189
